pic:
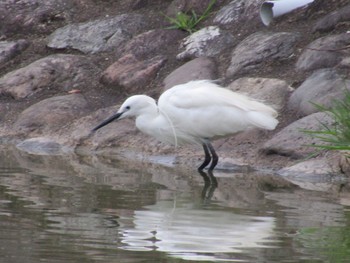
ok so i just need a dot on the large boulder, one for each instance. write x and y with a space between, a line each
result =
260 48
293 142
131 74
272 91
207 42
196 69
100 35
324 52
50 115
60 72
322 87
33 16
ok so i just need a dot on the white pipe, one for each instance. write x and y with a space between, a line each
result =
275 8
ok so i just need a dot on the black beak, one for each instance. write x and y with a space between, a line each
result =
105 122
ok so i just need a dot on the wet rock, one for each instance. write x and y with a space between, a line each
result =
260 48
291 141
272 91
324 52
131 73
61 72
153 42
230 13
10 49
207 42
41 146
198 68
330 21
99 35
322 87
52 114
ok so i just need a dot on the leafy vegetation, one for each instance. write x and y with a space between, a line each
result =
337 135
189 21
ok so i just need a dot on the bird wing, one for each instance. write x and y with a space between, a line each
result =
206 110
202 93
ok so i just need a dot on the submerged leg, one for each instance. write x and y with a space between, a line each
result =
207 157
215 157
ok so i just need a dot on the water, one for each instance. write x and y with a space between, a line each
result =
94 209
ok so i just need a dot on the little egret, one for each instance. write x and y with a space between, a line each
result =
196 112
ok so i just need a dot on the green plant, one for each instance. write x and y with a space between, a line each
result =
337 135
189 21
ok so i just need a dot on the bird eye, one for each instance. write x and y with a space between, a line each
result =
127 107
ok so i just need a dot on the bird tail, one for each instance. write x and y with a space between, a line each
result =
262 120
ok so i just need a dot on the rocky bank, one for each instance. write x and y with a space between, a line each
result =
65 65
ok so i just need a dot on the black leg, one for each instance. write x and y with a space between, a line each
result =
215 157
207 157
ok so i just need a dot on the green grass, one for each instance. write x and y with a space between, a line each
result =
337 135
189 21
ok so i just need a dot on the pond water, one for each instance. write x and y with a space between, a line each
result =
96 209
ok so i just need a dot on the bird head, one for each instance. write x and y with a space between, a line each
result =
132 107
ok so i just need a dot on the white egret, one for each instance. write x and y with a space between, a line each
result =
196 112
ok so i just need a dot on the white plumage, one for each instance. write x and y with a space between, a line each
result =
196 112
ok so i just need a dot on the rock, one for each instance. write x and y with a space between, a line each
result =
330 21
324 52
272 91
52 114
153 42
230 13
291 141
32 16
130 73
98 35
322 87
198 68
207 42
260 48
41 146
61 72
10 49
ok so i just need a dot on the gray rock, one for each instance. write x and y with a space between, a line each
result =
41 146
330 21
230 13
322 87
324 52
207 42
10 49
131 73
153 42
260 48
32 15
272 91
198 68
52 114
62 72
291 141
99 35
